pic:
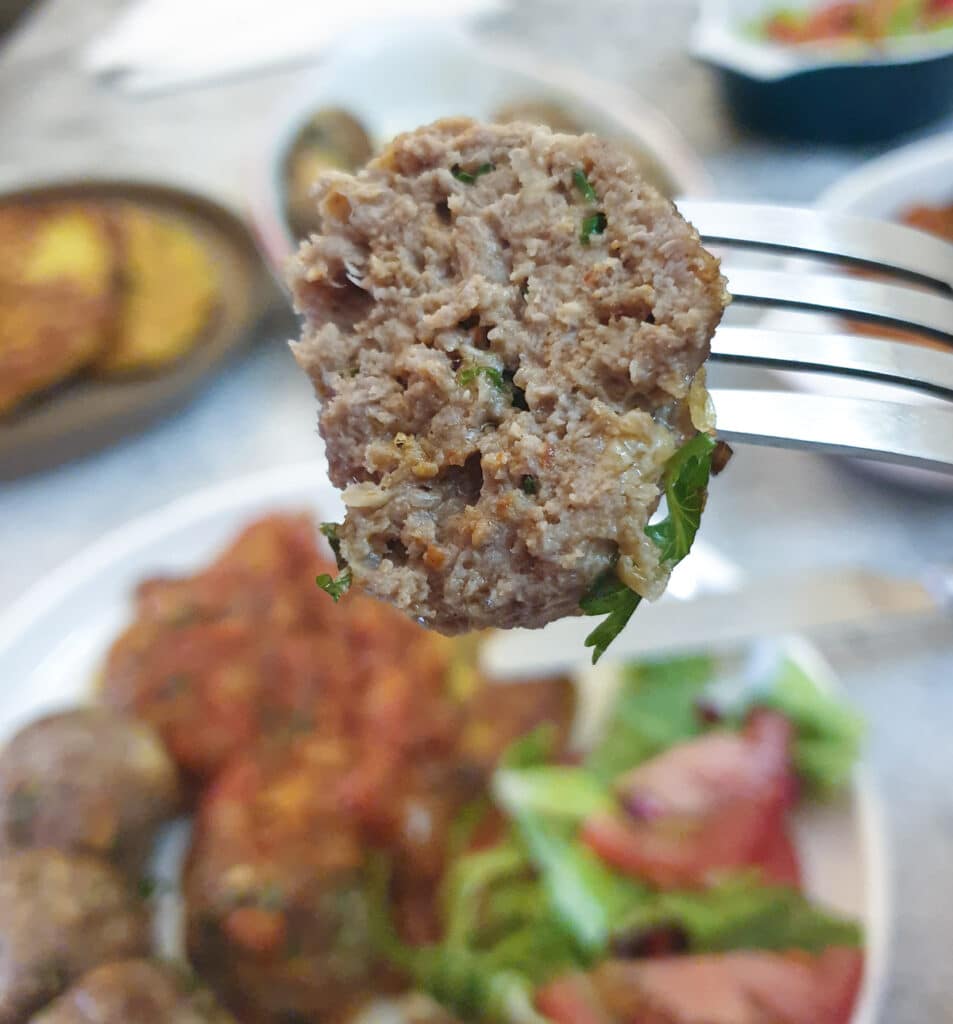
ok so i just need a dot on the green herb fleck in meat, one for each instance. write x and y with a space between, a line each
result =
583 184
594 224
529 484
492 375
470 177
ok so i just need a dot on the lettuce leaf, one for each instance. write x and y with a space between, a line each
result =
743 913
828 734
656 707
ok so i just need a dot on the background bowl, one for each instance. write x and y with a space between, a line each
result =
394 78
819 95
883 188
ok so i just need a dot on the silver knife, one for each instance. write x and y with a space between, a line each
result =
857 598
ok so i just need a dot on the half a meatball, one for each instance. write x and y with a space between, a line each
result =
89 780
503 326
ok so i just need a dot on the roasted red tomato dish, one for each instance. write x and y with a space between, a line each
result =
374 821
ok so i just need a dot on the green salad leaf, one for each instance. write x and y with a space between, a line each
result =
686 490
741 912
827 733
554 791
655 708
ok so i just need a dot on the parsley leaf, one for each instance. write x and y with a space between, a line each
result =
611 597
686 488
470 177
594 224
529 484
493 376
583 184
330 531
335 588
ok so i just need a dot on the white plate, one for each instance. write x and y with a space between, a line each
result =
395 77
53 639
882 188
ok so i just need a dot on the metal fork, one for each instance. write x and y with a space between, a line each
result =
917 296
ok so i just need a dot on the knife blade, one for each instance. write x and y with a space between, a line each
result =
850 597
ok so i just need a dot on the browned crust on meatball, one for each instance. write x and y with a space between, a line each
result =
499 394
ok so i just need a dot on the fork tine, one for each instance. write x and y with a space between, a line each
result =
864 300
920 436
914 366
889 247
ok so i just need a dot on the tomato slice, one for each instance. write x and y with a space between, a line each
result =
732 988
705 806
571 999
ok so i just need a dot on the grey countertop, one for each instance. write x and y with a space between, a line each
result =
772 512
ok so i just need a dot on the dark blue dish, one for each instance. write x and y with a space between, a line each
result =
843 103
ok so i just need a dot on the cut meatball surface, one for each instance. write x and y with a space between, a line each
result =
60 916
503 326
89 780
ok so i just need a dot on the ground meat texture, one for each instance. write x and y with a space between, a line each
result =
89 780
135 992
60 915
503 326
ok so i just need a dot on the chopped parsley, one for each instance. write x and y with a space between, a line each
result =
335 588
493 376
686 488
330 531
502 380
529 484
594 224
470 177
583 184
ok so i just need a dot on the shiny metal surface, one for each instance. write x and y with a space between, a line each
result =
920 436
874 301
845 355
856 240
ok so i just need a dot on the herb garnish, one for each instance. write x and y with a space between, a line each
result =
330 531
470 177
493 376
686 488
335 588
583 184
529 484
594 224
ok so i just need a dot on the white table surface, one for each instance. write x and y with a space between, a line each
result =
771 512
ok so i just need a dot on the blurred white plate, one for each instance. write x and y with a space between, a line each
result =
53 640
884 189
398 76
